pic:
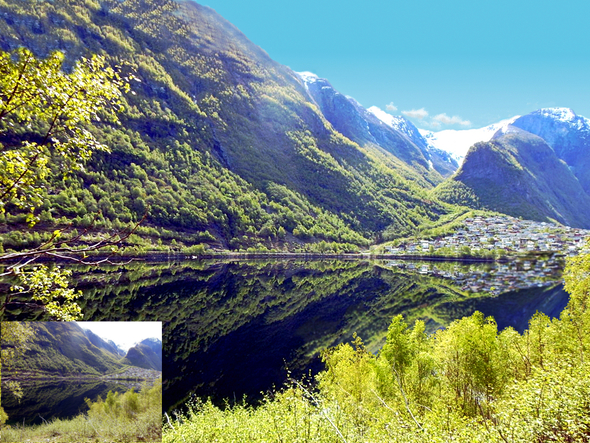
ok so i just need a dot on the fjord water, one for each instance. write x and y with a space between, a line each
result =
233 328
45 400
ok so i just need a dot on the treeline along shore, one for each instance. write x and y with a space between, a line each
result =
129 374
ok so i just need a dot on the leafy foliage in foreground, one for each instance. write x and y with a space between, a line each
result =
467 383
124 417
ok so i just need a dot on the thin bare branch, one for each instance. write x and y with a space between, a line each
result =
407 403
318 404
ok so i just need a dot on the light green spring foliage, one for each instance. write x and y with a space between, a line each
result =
14 337
37 95
466 383
129 417
50 286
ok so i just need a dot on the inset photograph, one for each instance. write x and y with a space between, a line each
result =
81 381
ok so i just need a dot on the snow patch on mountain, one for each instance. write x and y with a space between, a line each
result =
458 142
308 77
562 114
406 127
397 122
566 116
385 117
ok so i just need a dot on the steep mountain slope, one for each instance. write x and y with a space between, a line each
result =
120 351
517 173
440 160
108 346
62 348
147 354
567 133
220 144
356 123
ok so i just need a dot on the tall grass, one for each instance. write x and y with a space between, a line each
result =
128 417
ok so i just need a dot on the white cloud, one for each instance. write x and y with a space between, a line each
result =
435 122
446 120
420 114
124 333
391 107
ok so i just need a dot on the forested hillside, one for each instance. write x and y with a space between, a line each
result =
218 145
62 348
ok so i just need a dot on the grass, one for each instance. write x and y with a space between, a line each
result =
130 417
144 427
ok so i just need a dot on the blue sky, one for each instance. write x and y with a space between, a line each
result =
124 333
480 62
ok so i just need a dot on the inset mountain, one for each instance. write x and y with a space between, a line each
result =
147 354
64 349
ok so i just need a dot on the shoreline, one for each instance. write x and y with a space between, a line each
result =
157 257
45 377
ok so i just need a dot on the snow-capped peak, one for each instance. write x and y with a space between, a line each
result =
395 121
308 77
151 340
458 142
562 114
385 117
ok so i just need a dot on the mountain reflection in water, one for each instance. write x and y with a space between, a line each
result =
45 400
232 328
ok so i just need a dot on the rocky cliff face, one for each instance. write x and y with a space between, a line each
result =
358 124
442 161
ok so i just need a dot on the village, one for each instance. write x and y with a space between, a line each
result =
501 234
541 247
134 372
494 278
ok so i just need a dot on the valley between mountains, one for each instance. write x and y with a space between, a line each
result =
59 350
157 165
222 149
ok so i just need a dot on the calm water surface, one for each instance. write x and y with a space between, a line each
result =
232 328
49 399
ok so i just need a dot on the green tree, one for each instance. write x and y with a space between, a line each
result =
14 337
36 94
44 112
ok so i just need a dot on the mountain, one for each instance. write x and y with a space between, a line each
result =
120 351
458 142
63 348
439 159
360 125
109 345
567 133
519 174
147 354
220 145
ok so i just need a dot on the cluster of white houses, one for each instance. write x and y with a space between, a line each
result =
503 233
135 372
491 278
